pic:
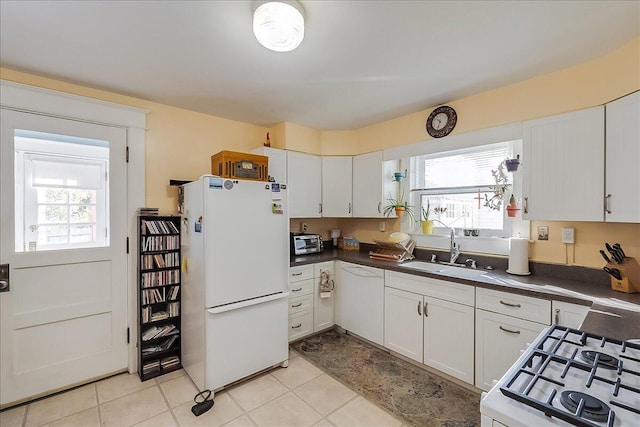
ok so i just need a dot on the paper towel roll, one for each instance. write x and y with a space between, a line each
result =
518 256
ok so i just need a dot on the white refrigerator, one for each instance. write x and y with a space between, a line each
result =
234 281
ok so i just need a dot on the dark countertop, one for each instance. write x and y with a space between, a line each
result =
613 314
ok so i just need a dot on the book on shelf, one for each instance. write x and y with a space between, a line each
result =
164 345
159 331
170 362
143 211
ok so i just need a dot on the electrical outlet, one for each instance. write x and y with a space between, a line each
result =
382 226
303 227
568 235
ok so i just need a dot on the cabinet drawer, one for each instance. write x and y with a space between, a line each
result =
520 306
300 325
301 288
299 273
300 304
441 289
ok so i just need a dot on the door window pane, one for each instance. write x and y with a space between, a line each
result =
61 191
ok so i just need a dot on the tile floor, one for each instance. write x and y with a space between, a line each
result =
300 395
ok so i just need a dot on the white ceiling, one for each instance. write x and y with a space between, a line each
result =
361 62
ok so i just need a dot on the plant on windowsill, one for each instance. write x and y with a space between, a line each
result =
499 189
512 208
399 206
425 222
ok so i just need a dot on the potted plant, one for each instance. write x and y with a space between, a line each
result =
499 190
399 206
425 222
512 208
512 164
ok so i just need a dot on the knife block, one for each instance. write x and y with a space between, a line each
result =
630 272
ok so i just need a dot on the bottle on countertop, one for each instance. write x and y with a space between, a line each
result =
267 142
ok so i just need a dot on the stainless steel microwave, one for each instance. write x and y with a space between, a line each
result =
302 243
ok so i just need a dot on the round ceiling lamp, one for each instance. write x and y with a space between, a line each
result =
279 25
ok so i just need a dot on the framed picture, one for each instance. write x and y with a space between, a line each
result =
543 232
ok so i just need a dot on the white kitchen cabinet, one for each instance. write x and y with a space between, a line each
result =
337 186
449 338
622 159
563 168
505 324
372 184
360 301
300 301
567 314
277 162
499 341
304 184
403 323
434 331
323 307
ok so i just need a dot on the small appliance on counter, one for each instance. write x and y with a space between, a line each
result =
305 243
334 235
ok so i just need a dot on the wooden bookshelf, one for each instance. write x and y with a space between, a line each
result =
159 328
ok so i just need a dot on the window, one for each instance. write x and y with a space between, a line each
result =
61 192
456 184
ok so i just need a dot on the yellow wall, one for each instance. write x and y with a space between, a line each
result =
180 142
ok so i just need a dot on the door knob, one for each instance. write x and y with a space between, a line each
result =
4 278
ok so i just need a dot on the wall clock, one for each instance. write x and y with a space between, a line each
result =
441 121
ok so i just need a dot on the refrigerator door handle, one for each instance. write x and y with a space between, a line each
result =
247 303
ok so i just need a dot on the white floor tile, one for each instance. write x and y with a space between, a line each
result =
121 385
243 421
287 410
12 417
362 413
324 394
164 419
61 405
179 390
257 391
170 376
87 418
133 408
323 423
299 372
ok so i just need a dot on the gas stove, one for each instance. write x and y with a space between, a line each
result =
569 377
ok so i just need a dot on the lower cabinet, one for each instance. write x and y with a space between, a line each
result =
360 300
433 331
567 314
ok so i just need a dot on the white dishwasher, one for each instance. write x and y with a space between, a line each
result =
360 301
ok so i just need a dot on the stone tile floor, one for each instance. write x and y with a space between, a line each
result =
300 395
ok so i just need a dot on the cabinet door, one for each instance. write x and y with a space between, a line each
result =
304 185
372 184
403 323
336 186
622 159
567 314
499 341
277 162
360 301
323 307
449 338
563 167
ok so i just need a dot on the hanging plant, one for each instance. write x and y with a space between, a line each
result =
499 190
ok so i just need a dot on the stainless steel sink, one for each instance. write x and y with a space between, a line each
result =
447 270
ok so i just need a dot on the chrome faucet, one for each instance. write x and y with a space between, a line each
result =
454 247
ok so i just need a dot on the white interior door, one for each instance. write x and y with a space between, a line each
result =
63 320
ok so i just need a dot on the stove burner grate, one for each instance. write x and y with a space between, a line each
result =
605 360
584 405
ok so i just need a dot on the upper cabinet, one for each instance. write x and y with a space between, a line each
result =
336 186
372 184
563 167
622 194
304 184
277 162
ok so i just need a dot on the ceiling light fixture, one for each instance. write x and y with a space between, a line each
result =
279 25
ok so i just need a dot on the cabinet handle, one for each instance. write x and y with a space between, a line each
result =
606 203
319 207
557 317
510 305
300 324
379 207
296 305
509 330
297 274
296 290
426 313
419 308
349 207
526 205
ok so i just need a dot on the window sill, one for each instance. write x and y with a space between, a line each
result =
484 245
